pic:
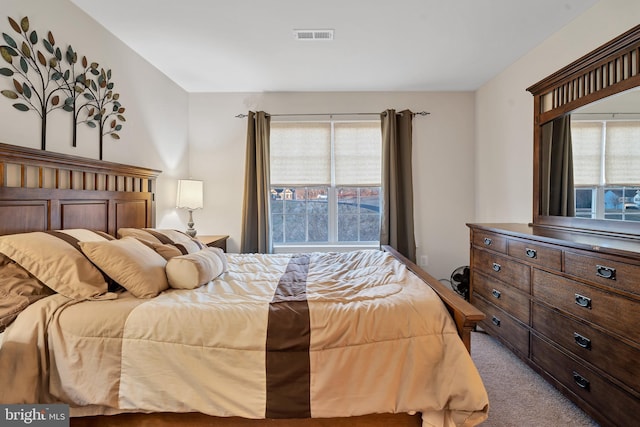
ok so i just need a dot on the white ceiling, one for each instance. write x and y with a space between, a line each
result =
390 45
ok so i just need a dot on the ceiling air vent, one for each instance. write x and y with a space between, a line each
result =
313 34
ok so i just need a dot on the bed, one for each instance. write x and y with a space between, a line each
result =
271 339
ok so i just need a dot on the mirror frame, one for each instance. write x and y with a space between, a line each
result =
610 69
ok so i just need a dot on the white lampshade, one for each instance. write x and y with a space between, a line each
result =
189 194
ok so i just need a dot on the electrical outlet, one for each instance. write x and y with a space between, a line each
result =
424 260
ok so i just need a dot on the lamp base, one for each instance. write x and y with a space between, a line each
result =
191 231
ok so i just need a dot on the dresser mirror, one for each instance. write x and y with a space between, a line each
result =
591 180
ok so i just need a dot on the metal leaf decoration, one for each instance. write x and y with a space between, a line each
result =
10 94
15 25
46 78
9 41
24 24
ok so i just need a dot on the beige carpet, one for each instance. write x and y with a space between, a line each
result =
518 397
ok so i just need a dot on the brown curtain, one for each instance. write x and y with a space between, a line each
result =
255 210
396 227
556 175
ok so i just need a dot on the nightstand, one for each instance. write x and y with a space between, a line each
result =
214 241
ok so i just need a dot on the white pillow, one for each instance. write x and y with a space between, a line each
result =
194 270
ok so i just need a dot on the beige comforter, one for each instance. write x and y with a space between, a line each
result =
320 335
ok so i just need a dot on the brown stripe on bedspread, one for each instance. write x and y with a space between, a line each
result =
287 347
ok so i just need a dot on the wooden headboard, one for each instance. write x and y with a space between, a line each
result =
42 190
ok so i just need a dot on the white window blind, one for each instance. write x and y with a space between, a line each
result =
586 138
358 154
622 153
301 153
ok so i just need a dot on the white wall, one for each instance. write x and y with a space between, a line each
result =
443 160
504 110
155 132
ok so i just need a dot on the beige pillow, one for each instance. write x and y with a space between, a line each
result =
194 270
135 266
55 259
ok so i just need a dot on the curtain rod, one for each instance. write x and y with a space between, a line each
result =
242 116
605 114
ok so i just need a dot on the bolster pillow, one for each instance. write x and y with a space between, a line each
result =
193 270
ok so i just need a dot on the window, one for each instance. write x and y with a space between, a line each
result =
325 183
602 190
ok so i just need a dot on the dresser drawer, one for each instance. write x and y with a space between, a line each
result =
618 275
488 240
502 268
611 401
503 296
499 323
536 254
610 311
601 350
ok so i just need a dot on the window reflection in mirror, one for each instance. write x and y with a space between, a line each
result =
606 158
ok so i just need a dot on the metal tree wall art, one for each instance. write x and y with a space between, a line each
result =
40 83
103 107
31 73
71 82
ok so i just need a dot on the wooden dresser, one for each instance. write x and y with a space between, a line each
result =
567 303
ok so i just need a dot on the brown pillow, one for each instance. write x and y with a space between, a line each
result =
18 289
167 250
166 242
131 263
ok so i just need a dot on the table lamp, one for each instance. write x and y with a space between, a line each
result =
190 198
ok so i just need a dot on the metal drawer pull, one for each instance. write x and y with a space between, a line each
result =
496 266
580 380
583 301
531 253
487 241
495 293
606 272
582 341
495 321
